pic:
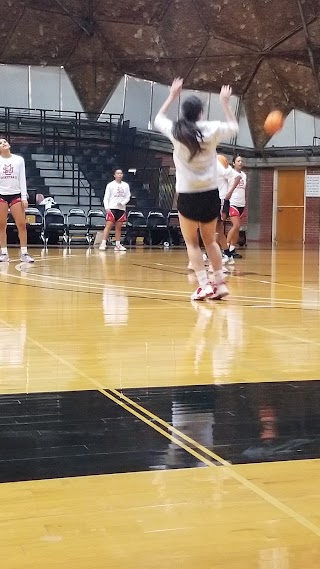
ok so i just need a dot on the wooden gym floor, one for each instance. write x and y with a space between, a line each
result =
140 430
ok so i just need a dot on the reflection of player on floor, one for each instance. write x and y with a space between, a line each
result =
13 195
116 197
195 142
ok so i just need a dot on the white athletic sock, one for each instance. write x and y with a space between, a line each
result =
218 275
4 250
231 247
117 243
24 250
202 278
103 242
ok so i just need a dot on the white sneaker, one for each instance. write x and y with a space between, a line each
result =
225 259
102 247
219 291
4 258
231 260
203 293
120 248
26 258
205 258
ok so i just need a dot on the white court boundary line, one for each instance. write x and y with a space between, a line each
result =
99 286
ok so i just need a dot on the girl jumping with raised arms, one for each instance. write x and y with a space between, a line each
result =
194 141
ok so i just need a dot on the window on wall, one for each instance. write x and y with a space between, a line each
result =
116 101
69 100
205 98
215 110
160 93
244 137
304 129
138 102
14 86
45 87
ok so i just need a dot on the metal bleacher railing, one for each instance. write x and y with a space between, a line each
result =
66 133
40 124
62 158
63 132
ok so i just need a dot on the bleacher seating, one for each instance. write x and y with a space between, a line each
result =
52 226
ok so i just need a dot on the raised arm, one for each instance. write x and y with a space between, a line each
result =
162 122
230 127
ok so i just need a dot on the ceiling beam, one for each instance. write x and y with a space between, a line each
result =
85 24
309 48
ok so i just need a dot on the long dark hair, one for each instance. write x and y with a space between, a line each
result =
185 129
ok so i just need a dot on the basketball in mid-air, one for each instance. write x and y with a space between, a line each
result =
223 160
274 122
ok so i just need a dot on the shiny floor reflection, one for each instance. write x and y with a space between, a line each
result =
243 423
55 435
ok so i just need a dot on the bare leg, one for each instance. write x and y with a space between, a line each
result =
189 229
233 234
222 236
208 231
118 228
20 220
3 224
107 230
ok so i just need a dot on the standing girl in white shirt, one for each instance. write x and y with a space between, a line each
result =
116 197
13 195
228 179
237 206
194 143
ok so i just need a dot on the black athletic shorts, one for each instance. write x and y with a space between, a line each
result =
116 215
200 206
10 199
226 207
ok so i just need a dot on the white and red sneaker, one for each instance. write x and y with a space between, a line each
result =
219 291
203 293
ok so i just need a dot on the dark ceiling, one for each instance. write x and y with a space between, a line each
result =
267 50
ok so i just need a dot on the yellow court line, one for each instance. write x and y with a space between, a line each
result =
244 481
99 286
63 281
290 336
233 474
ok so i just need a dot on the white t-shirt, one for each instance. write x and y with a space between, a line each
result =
226 177
238 197
13 176
200 174
116 195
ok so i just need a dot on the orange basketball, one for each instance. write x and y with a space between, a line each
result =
274 122
223 160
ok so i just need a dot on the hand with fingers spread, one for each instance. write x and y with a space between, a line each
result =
176 87
225 94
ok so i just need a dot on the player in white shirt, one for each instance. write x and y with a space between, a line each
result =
228 180
194 154
13 195
237 206
116 197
